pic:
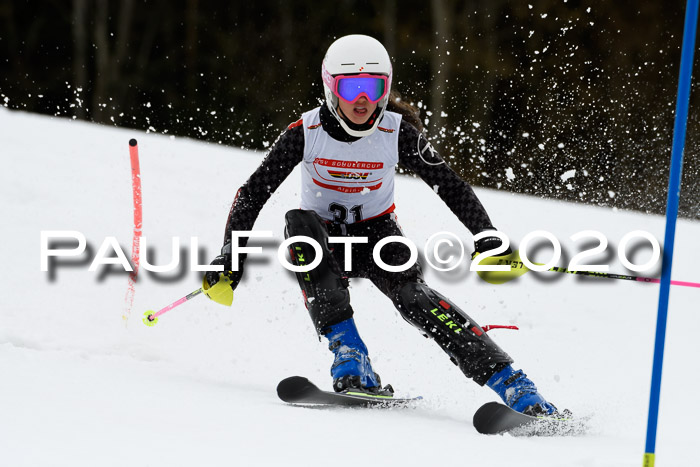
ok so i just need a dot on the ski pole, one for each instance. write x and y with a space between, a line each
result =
151 317
518 268
622 276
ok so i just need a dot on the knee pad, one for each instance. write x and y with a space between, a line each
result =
307 223
454 331
325 288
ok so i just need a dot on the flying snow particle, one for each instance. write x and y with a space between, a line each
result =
611 194
568 174
509 174
541 146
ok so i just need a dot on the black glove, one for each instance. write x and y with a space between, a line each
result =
212 277
489 243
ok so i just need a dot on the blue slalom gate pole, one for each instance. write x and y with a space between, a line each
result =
674 188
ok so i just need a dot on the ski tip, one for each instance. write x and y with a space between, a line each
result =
495 418
484 415
132 142
290 389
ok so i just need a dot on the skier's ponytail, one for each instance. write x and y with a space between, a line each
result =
410 113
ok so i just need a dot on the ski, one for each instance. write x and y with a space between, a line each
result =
299 390
495 418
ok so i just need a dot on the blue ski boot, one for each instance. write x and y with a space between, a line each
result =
351 368
519 393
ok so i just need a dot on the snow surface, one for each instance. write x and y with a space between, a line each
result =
82 387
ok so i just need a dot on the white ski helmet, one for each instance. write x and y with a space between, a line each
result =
356 55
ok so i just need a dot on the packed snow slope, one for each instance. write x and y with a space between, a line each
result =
81 386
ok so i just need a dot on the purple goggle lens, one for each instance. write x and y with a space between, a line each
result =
351 88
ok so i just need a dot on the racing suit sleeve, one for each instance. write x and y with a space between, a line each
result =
418 155
285 154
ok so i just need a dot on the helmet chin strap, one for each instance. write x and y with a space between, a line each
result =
361 126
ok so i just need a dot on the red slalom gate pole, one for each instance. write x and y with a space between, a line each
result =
138 226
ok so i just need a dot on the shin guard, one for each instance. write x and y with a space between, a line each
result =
454 331
325 288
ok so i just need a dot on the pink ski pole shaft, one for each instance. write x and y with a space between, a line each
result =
658 281
151 317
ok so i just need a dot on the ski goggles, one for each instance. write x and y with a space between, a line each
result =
351 87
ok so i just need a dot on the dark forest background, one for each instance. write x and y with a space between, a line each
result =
517 94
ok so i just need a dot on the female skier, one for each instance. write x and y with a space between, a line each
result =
348 149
